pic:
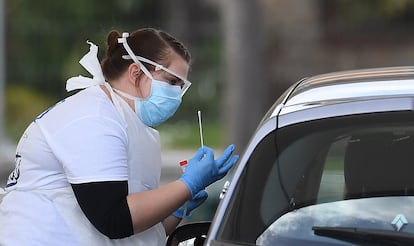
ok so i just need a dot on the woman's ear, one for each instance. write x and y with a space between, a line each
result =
134 72
138 80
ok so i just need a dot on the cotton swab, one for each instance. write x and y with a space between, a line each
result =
200 127
183 163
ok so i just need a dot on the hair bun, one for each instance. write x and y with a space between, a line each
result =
112 41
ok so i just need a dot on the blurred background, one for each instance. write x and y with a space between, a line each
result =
245 54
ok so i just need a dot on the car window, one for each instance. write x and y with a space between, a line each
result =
332 184
320 163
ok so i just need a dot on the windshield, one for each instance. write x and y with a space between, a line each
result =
344 220
321 163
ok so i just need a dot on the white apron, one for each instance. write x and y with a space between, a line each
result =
144 161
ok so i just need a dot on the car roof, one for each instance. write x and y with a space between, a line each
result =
345 87
350 85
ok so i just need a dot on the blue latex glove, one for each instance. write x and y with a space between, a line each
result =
195 202
202 170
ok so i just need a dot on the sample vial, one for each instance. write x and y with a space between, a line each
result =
183 164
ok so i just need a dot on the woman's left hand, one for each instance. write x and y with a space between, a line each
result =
195 202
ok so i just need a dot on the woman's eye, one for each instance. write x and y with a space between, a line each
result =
176 82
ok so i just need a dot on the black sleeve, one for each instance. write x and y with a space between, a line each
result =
106 207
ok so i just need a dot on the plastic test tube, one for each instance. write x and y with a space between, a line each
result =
183 164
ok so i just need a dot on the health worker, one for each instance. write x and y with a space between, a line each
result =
88 169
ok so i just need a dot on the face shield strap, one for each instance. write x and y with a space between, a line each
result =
138 59
124 42
160 67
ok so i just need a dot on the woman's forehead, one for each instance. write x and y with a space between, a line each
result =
179 66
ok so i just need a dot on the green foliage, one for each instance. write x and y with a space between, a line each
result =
376 14
46 39
22 106
44 36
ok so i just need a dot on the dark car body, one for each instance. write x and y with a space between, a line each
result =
331 163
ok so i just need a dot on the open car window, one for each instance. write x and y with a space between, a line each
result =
322 163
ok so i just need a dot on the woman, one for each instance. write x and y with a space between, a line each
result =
87 169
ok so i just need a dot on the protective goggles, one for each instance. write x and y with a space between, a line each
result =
137 59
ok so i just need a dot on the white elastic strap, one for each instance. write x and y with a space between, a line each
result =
140 58
125 94
124 42
115 100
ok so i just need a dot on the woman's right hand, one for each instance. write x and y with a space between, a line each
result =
203 170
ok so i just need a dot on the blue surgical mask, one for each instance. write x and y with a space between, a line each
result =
162 103
159 106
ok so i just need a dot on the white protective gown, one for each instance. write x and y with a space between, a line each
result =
65 223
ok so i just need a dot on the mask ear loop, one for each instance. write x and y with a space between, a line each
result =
124 42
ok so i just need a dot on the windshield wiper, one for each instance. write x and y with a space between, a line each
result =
363 235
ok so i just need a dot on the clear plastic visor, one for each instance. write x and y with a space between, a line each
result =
184 87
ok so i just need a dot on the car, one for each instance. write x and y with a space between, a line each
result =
331 163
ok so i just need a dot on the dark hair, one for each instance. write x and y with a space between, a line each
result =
150 43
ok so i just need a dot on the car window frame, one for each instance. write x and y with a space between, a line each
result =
226 221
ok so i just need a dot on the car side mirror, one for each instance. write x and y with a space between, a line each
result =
193 232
